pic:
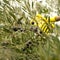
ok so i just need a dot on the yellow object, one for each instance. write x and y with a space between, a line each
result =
53 19
43 23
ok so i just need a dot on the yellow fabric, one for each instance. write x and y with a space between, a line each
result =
41 21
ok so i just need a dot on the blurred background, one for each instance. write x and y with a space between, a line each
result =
18 40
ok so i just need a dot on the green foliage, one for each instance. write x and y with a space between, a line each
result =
19 40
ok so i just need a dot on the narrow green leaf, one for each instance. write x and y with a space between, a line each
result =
12 14
7 2
9 20
7 30
19 20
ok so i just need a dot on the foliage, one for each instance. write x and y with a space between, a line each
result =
18 40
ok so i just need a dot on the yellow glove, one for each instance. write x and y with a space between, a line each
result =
43 23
